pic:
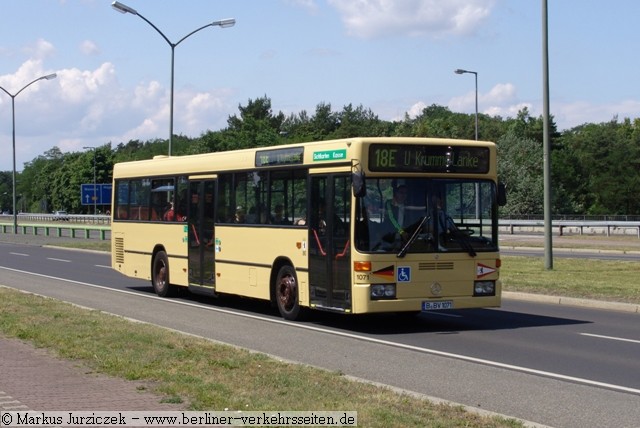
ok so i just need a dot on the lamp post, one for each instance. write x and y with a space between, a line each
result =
224 23
95 190
546 143
475 73
13 115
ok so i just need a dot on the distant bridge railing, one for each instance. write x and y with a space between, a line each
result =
607 227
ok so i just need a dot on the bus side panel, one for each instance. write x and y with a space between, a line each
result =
245 257
133 244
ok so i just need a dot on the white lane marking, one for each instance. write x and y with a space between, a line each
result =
103 266
621 339
353 336
58 260
20 254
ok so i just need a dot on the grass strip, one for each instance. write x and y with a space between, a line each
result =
208 376
610 280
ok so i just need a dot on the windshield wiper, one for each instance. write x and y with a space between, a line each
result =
464 241
413 237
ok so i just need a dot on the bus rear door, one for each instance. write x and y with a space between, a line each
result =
201 236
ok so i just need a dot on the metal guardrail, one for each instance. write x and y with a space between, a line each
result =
75 218
86 225
67 230
608 227
574 217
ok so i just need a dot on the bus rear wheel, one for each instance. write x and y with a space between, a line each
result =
287 293
160 275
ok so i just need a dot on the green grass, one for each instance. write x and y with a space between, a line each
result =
573 277
203 375
587 242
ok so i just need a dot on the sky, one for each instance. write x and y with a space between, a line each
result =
394 57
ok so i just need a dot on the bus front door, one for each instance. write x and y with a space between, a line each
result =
201 233
329 243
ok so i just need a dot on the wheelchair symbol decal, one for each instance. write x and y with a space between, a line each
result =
404 274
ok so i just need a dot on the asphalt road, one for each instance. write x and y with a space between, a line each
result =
554 365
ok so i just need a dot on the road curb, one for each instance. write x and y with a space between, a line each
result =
573 301
569 250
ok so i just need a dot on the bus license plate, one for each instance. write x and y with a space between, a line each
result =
437 306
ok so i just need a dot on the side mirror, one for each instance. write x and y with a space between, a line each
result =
358 184
502 195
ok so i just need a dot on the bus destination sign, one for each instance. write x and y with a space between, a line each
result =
410 158
280 157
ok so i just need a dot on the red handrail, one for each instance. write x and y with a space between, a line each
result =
315 233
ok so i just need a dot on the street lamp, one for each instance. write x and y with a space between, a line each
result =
95 190
475 73
461 71
13 114
224 23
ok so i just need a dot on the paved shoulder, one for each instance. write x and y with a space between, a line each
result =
35 379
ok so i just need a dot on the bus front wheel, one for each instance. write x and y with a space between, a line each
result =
287 293
160 275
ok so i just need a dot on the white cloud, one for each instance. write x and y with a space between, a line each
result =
415 110
501 100
41 49
436 18
569 115
79 86
27 72
88 47
149 94
201 111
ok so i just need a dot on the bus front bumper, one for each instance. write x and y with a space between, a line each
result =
362 302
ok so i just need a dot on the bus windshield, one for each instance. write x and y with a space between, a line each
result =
421 215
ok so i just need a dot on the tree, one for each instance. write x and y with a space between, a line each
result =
6 191
257 126
520 169
35 180
595 167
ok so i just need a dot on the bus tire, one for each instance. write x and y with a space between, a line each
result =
287 293
160 275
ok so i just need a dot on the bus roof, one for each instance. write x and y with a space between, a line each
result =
320 153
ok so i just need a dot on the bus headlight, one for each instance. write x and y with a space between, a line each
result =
383 291
484 288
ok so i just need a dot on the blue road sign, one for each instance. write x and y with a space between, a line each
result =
98 194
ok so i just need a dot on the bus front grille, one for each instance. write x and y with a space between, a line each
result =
436 266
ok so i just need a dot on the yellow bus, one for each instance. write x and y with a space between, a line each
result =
359 225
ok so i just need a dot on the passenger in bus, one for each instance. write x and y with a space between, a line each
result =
241 216
339 227
278 216
170 214
320 224
181 211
